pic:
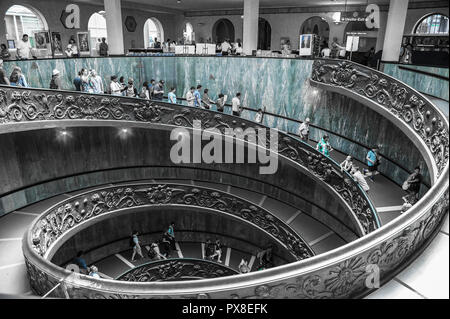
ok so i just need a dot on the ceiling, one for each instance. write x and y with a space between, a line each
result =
171 6
202 5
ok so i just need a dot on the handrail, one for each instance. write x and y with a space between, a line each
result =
62 219
28 105
344 272
175 269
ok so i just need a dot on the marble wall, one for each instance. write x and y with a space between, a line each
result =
281 86
421 82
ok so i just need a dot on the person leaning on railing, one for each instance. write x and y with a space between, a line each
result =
412 186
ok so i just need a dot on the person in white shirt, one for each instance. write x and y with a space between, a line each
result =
239 49
96 83
226 47
24 49
325 52
359 177
236 104
72 49
347 165
303 130
190 98
115 86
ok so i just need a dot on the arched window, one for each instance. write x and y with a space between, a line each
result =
264 34
316 25
22 20
188 33
97 29
153 32
97 25
223 29
432 24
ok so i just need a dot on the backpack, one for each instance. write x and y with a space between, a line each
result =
131 241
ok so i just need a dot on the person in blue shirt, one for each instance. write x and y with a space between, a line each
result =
81 262
172 96
197 97
373 161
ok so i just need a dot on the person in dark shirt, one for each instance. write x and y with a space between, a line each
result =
103 48
77 82
3 77
412 186
158 91
209 249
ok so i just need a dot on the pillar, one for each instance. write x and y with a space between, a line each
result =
394 30
251 17
114 24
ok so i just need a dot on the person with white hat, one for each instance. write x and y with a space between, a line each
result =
303 130
3 78
55 83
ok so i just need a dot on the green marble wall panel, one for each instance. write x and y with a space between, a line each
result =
279 85
421 82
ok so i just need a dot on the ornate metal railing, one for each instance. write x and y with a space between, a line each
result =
345 272
18 105
56 222
177 270
417 116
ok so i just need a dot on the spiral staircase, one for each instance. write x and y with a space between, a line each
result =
334 230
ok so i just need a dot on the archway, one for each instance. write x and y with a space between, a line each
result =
153 29
222 30
188 33
316 25
434 23
264 34
22 20
97 28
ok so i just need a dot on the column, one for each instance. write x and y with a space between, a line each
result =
251 16
114 29
394 29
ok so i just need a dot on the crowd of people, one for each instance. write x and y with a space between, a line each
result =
89 81
411 185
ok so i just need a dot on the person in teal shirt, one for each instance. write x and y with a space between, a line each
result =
172 96
373 161
324 146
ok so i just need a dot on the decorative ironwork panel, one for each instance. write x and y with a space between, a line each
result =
55 222
176 270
